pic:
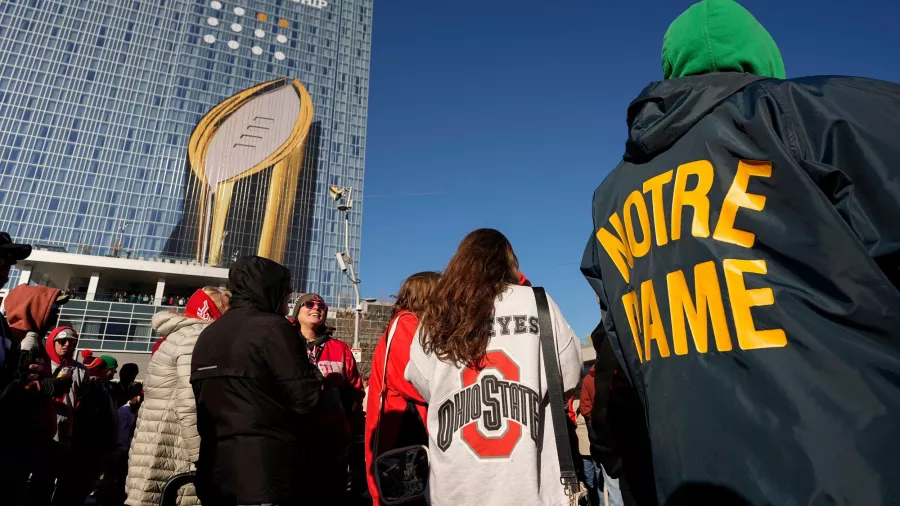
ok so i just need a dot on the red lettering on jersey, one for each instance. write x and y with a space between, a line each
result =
493 447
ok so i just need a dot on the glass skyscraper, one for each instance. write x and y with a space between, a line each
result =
99 100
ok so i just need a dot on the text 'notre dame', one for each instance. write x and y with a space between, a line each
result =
705 303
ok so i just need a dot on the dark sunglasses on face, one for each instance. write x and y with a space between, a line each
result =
312 304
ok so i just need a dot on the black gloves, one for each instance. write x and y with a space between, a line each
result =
56 387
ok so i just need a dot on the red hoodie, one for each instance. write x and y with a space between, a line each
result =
399 392
28 309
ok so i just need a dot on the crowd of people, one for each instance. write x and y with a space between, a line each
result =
476 366
265 407
63 422
129 297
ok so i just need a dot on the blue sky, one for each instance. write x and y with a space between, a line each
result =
508 114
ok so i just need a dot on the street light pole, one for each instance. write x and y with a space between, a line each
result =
352 275
345 261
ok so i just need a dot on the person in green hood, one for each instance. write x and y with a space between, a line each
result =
746 254
719 36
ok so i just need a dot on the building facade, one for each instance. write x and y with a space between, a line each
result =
99 100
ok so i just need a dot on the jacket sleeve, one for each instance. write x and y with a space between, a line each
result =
354 379
373 414
570 360
185 406
418 371
846 136
399 358
586 399
590 267
603 447
289 365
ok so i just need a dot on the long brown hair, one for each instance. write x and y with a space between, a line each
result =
414 292
456 322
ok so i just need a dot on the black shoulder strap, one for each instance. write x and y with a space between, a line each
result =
555 390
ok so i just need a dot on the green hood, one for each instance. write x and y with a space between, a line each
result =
719 36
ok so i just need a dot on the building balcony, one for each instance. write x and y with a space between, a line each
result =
112 326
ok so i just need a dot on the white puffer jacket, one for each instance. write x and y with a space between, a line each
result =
166 441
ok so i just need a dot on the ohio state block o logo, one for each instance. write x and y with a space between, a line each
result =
500 446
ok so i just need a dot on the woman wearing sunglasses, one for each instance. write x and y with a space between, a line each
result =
337 365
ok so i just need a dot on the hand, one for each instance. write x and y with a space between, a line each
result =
62 386
34 372
56 387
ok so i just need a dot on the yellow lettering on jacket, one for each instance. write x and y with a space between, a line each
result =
628 238
654 186
696 198
635 202
629 300
738 197
742 299
616 248
708 295
652 321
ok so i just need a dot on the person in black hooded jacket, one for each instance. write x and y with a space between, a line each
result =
256 392
746 252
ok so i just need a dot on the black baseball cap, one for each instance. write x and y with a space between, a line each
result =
12 250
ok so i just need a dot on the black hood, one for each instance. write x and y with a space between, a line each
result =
259 283
666 110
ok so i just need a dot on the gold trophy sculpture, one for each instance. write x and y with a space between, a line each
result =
262 128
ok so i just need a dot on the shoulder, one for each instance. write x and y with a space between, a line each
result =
186 335
337 344
406 322
831 88
405 316
515 295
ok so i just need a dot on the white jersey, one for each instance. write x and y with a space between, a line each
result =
491 439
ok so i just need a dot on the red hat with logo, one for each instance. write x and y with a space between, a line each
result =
202 307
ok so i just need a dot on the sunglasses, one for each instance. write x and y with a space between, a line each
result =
313 304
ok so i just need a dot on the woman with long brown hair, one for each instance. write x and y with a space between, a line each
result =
401 421
477 363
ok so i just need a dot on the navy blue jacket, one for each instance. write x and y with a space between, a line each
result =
746 252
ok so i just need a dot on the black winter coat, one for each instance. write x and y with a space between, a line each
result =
747 254
255 390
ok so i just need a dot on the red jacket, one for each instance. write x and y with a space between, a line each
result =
337 364
399 392
586 402
335 360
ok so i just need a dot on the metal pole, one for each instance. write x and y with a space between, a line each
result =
356 326
353 278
